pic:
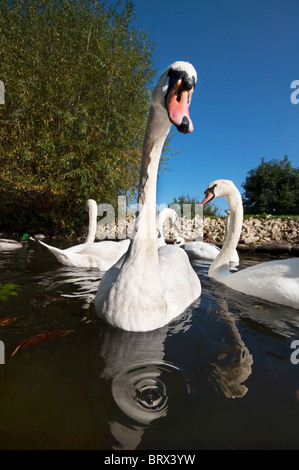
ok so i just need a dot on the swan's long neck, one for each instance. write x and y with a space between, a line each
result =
141 262
92 226
163 216
220 266
158 127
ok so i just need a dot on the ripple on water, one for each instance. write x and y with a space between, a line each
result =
145 390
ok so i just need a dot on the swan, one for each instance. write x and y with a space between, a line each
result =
208 251
150 286
91 208
10 245
201 250
167 213
100 255
275 281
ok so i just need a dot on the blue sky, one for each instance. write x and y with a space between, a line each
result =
246 53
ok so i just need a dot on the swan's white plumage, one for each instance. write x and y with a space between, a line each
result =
150 286
201 250
208 251
275 281
100 255
166 213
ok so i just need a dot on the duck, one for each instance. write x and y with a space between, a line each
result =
276 281
90 254
151 285
11 245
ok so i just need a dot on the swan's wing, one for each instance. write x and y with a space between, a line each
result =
101 255
72 258
108 251
201 250
108 279
276 281
180 282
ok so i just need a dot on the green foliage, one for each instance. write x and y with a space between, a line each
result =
272 188
191 202
76 78
211 210
8 289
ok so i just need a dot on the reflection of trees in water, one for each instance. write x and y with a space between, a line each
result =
144 386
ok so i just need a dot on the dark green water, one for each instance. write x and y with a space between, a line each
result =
219 377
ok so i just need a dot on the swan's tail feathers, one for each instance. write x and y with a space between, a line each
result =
59 254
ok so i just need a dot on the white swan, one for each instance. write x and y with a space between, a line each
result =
167 213
208 251
275 281
11 245
149 287
201 250
92 209
100 255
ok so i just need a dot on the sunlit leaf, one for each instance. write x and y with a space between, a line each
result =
7 290
40 338
7 321
260 307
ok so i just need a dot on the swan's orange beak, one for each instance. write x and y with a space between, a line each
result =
208 197
177 103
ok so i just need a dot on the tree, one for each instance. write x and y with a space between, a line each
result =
76 81
190 206
273 188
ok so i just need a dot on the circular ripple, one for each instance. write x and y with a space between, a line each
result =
143 391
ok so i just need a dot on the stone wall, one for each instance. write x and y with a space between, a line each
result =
280 234
257 231
261 235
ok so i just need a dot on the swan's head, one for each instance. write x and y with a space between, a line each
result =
174 91
219 188
179 241
90 204
167 213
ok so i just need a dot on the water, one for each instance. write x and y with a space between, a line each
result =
218 377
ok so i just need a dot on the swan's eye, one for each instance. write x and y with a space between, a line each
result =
211 190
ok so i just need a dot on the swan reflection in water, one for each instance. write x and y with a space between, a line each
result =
234 361
144 385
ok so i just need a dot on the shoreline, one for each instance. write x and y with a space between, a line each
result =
262 235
